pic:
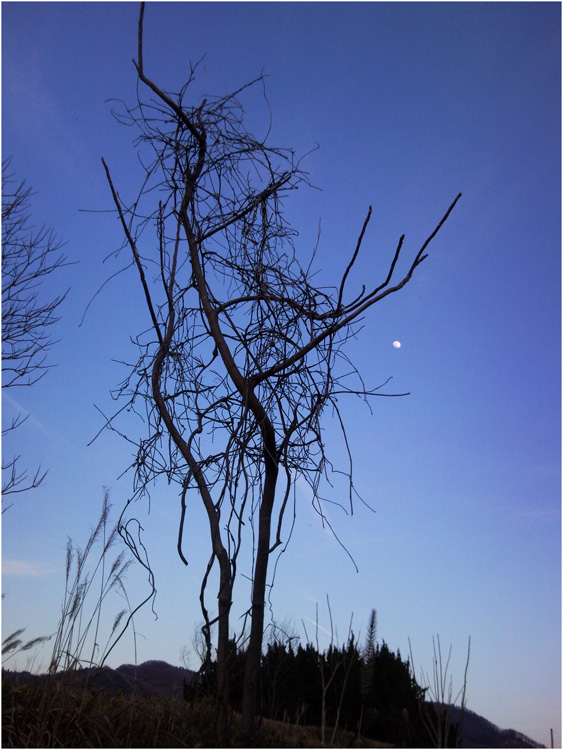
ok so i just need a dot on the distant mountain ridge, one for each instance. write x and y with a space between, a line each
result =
160 678
150 678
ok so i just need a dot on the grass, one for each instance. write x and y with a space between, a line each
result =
57 715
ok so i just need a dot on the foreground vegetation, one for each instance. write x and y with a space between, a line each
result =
58 715
308 698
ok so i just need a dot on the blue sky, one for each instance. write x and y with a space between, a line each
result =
409 104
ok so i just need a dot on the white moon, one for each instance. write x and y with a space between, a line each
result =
397 344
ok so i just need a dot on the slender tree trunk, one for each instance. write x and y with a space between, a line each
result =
223 653
254 651
225 580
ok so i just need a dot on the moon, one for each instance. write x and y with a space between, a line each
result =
397 344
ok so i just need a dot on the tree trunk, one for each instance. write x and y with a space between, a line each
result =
254 651
223 653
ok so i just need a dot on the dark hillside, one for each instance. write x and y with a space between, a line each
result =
477 732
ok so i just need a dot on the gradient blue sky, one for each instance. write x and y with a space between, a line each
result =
410 104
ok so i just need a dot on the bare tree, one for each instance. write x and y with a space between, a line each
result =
329 663
435 714
244 353
29 255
